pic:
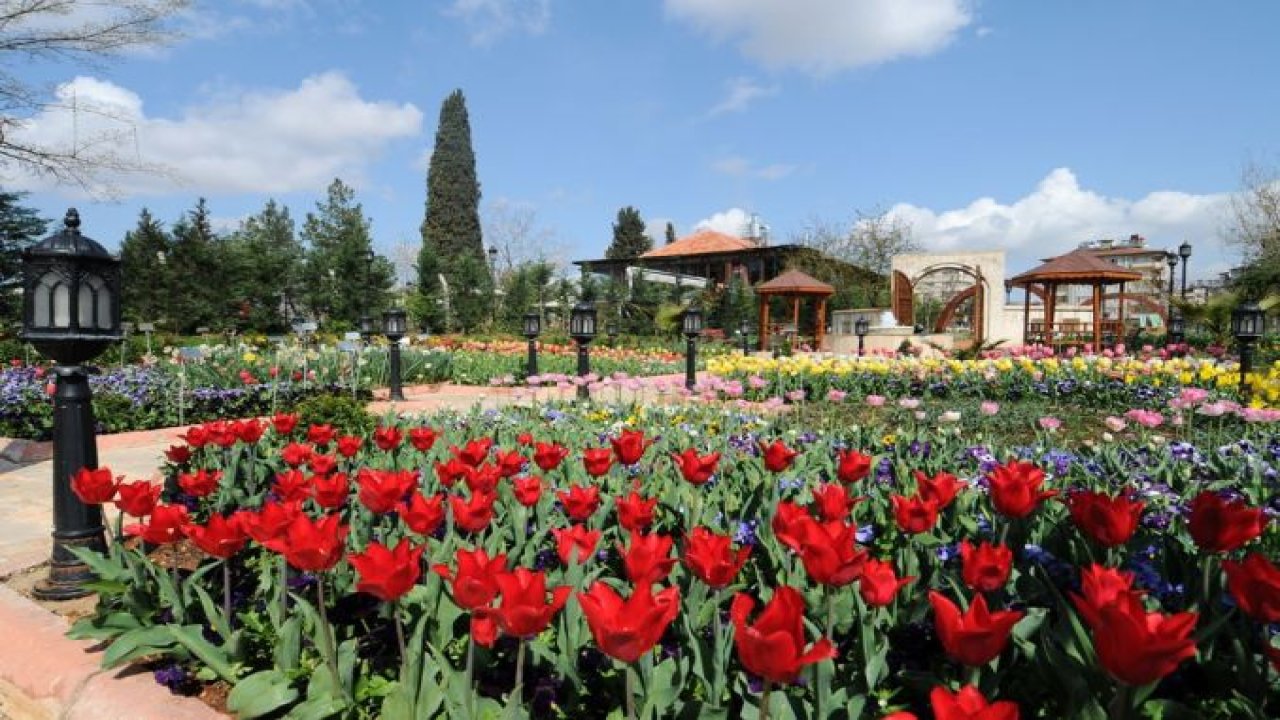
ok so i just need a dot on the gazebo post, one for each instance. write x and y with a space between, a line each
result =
1026 312
1050 307
795 313
820 332
1097 315
764 323
1120 310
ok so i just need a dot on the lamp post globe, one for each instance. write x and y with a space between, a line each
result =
582 329
692 327
1246 325
395 323
71 313
532 329
366 327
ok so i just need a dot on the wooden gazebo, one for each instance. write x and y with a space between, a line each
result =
797 286
1078 267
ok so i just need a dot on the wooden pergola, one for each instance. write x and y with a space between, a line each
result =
797 286
1076 268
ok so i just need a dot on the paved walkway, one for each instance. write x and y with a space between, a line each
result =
45 675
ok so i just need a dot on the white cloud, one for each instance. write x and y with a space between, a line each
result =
739 93
272 141
824 36
490 20
733 221
740 167
1059 214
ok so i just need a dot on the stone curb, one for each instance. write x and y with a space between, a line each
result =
44 674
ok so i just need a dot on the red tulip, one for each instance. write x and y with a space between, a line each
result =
774 646
291 485
137 498
830 554
711 557
423 438
330 491
220 537
914 515
196 436
320 434
548 456
249 431
976 637
879 583
985 567
449 472
1137 647
164 525
942 488
423 515
294 454
349 445
1220 526
472 515
597 461
629 446
387 438
635 512
1015 488
1108 521
525 439
475 584
790 524
388 574
178 454
268 524
627 629
527 490
313 545
474 452
284 424
647 559
322 464
1101 586
575 544
695 468
510 463
221 433
94 487
1255 584
852 466
969 704
777 456
483 479
833 502
523 610
579 502
382 490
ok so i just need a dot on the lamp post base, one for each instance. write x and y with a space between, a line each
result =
67 575
584 369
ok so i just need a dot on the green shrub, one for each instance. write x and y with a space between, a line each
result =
345 414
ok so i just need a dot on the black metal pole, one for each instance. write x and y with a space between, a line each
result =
1184 278
860 337
533 358
397 392
1169 312
1246 367
584 369
746 346
75 525
690 362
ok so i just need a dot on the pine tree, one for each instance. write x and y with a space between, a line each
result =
20 228
196 274
144 271
452 245
629 239
265 261
671 233
338 281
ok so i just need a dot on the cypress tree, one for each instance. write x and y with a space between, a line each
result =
452 245
671 233
629 239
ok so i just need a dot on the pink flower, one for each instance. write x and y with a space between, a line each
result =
989 408
1145 418
909 403
1115 424
834 395
795 395
1050 423
1214 409
875 400
1194 395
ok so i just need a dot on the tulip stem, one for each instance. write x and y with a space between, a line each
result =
1121 703
764 700
326 637
395 615
631 694
470 674
226 592
518 692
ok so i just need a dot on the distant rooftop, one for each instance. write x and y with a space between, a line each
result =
701 243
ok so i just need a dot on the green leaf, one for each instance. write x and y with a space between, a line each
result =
288 649
317 708
260 694
103 627
192 637
138 643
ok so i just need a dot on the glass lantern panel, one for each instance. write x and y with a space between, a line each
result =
104 308
42 301
61 305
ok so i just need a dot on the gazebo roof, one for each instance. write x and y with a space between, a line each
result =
1078 266
701 243
794 282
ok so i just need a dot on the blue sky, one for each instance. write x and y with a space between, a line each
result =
1028 126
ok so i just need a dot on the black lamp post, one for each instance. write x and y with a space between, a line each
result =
394 325
1184 251
692 329
860 328
532 329
744 330
366 327
1246 324
71 313
1172 260
582 328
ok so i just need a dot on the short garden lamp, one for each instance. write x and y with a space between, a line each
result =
395 323
366 327
860 328
71 313
582 328
1246 324
1177 328
532 329
692 327
744 330
611 329
1184 252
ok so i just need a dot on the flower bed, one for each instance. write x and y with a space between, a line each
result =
707 563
